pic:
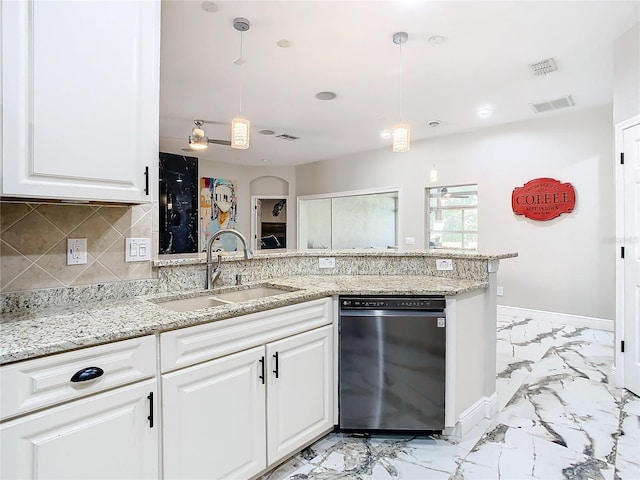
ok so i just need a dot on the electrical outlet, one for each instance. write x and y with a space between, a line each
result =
444 264
500 291
326 262
410 240
76 251
137 249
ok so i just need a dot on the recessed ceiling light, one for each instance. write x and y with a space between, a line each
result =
485 111
209 7
283 43
265 160
266 132
385 134
325 95
436 40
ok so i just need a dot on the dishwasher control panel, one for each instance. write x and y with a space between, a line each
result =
392 303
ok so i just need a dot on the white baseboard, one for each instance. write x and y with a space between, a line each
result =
486 407
557 318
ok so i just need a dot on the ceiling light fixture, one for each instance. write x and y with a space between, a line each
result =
198 140
401 133
485 111
433 175
239 125
325 95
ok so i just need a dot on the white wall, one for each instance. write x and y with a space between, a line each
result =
626 75
565 265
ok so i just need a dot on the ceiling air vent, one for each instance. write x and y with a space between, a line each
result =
543 67
549 105
284 136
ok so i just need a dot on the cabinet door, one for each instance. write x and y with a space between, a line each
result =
80 113
105 436
300 395
214 418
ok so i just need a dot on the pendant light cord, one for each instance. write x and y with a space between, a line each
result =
401 77
241 73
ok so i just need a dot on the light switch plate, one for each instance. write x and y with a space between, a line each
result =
326 262
444 264
137 249
76 251
410 240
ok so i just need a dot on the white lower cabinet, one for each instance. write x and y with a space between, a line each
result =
236 415
300 397
108 435
214 418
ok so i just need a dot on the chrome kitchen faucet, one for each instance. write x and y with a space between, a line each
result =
213 274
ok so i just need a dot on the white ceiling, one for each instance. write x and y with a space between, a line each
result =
346 47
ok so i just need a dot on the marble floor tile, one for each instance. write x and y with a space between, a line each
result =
507 453
561 417
627 460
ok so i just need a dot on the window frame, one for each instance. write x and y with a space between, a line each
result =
462 208
351 193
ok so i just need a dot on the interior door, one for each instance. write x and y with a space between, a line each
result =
631 167
258 222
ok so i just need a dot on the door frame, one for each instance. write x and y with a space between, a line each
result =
254 217
619 242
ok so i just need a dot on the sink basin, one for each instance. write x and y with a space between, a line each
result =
208 300
249 294
193 303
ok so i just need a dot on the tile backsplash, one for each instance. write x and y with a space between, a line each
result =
33 240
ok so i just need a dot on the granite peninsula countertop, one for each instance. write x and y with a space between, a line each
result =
194 259
53 330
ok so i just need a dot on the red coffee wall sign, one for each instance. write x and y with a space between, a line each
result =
543 199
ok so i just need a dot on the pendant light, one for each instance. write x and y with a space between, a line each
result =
240 126
433 175
401 132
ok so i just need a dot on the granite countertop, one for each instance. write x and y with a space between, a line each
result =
53 330
193 259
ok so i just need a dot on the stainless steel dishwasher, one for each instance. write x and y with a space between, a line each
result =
392 363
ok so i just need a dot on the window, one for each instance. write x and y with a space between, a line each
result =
453 217
348 220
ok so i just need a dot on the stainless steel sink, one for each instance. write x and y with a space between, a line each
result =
249 294
216 299
192 303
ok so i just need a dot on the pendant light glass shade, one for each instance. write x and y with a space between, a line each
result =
433 175
198 140
240 133
401 135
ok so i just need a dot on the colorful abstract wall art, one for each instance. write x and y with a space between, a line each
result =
218 210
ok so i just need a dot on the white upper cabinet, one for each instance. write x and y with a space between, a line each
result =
80 93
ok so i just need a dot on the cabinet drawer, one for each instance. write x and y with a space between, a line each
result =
38 383
188 346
